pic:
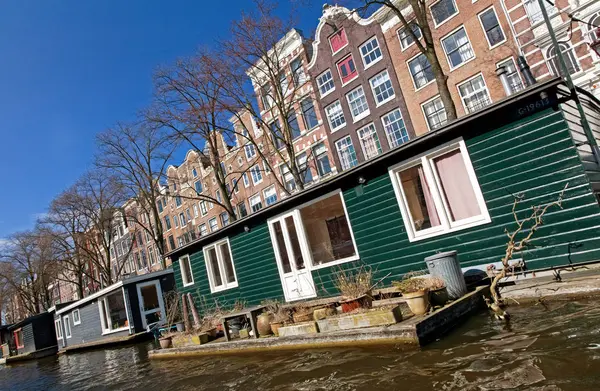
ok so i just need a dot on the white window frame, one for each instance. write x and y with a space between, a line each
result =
319 84
106 329
485 87
226 285
387 134
58 328
452 68
446 226
364 113
67 323
425 114
303 242
190 279
250 202
402 47
270 188
337 147
412 77
499 25
329 118
75 323
210 226
435 25
389 98
258 174
376 140
365 65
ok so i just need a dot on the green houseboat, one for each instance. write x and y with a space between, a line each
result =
450 189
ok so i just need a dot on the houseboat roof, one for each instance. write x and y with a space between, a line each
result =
493 116
27 320
113 287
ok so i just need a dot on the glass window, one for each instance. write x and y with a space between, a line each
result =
159 206
151 256
113 313
322 160
212 223
325 83
358 103
182 219
241 210
288 178
67 324
474 94
439 193
435 113
443 10
420 70
370 52
185 267
203 208
458 48
277 134
293 126
405 38
347 69
76 317
284 84
568 55
512 74
250 151
219 266
394 128
382 87
198 186
346 153
270 195
298 74
335 116
172 242
195 207
534 12
266 97
328 233
338 40
256 174
224 219
178 201
58 329
194 172
369 141
491 26
246 180
303 167
255 203
202 230
188 215
309 114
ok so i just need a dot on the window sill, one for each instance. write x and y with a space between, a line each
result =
335 263
436 26
338 128
424 85
372 63
385 101
327 93
361 116
115 330
480 221
350 81
76 324
462 63
221 289
498 44
188 284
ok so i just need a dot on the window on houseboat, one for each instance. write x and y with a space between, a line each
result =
113 313
439 193
67 327
327 230
19 339
58 328
219 265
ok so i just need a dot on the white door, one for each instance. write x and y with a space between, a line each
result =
292 256
152 306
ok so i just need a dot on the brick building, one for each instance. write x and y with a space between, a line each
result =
358 89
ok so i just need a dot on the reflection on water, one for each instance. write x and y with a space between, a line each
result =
554 348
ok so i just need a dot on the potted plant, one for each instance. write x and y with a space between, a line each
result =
279 315
263 323
355 287
173 313
415 290
302 313
438 294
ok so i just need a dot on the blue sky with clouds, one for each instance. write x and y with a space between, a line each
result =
69 69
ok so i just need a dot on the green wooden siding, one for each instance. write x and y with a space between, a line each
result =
535 156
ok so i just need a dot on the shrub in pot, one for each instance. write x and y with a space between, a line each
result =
166 342
355 287
438 294
415 291
279 315
263 323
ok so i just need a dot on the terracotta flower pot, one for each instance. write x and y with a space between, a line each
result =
364 301
438 297
418 302
263 324
275 327
165 342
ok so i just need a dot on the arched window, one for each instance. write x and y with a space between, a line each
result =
593 27
568 55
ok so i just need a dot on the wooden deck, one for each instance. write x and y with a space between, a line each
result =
108 342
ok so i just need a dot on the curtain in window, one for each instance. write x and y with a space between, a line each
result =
433 216
456 186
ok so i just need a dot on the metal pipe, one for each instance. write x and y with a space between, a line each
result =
526 71
501 73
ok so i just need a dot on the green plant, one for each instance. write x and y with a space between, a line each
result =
354 283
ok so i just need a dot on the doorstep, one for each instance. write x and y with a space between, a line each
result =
416 330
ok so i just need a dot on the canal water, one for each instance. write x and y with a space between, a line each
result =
552 347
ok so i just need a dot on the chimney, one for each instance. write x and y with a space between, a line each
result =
526 71
501 73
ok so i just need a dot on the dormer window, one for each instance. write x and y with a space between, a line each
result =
338 40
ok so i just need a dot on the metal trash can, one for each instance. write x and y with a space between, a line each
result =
446 266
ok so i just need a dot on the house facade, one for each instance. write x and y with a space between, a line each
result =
361 100
451 189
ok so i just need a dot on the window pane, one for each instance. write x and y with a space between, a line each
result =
116 310
421 71
325 82
227 262
492 28
327 230
418 198
474 94
382 87
456 186
370 51
295 243
435 113
357 102
285 261
149 297
393 124
458 48
443 10
335 115
516 84
213 265
346 153
369 141
405 38
309 114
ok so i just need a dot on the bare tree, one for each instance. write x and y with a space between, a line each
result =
138 156
415 17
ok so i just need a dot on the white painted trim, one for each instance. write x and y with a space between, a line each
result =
499 25
392 97
188 278
319 87
161 303
333 53
367 66
446 226
225 285
468 80
102 292
364 113
362 145
402 47
67 324
340 74
435 26
115 330
331 128
58 329
78 315
423 109
412 78
452 68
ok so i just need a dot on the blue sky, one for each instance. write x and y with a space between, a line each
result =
69 69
